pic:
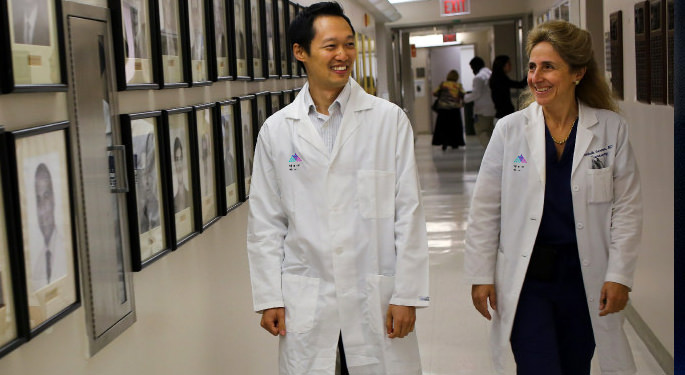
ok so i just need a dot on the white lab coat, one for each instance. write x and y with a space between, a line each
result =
337 237
507 206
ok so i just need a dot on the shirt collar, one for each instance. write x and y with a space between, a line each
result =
342 100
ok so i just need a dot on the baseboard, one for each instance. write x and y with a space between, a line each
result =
655 347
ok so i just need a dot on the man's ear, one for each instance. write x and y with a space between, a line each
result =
299 52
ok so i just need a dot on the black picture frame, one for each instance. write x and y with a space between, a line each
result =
198 25
222 24
32 63
179 140
148 214
255 43
270 40
12 332
282 47
205 128
642 52
260 112
294 92
245 117
294 65
228 155
40 168
239 42
172 63
287 96
132 31
276 102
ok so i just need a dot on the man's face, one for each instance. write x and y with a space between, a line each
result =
331 54
45 203
178 161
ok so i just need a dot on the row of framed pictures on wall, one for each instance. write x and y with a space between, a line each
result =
157 43
180 43
185 168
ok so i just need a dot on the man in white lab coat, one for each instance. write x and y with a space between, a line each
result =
336 230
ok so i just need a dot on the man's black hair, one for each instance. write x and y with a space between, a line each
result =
476 64
301 29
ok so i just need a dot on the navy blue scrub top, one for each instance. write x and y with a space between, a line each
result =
557 226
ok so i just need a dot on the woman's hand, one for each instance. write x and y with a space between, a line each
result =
480 295
614 298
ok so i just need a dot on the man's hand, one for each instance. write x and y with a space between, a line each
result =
273 320
614 298
480 295
399 320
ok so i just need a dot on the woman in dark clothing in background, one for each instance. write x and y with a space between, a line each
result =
500 83
448 127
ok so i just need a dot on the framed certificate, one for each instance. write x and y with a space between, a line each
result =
148 216
31 46
133 45
206 169
180 174
41 174
245 115
173 69
227 155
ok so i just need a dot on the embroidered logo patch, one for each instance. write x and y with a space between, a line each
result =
519 163
294 162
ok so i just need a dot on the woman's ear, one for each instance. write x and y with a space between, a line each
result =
580 73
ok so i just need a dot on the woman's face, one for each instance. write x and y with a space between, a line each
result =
507 67
550 78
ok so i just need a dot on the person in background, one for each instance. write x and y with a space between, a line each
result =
448 128
336 234
500 85
483 107
556 218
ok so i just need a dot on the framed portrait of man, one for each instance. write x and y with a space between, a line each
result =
221 40
181 182
271 44
229 151
282 47
294 66
300 68
171 44
255 48
197 29
31 48
133 44
204 123
287 97
239 40
247 140
148 230
41 173
275 102
260 111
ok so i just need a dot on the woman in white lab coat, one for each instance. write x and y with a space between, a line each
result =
556 218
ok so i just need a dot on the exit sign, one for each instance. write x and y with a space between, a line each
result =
455 7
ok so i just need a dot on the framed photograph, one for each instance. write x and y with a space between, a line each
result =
41 170
287 97
301 71
10 335
246 116
282 46
148 229
642 53
206 146
294 65
271 45
293 93
197 18
255 48
275 102
133 44
32 47
173 69
178 128
239 40
260 111
228 161
221 40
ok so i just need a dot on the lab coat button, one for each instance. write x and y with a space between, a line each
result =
580 226
576 188
592 299
586 262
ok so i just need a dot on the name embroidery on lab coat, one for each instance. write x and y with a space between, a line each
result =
599 157
519 163
294 162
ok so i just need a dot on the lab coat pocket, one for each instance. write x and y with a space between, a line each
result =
376 194
600 185
300 295
379 289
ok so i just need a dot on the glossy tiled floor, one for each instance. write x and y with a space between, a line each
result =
453 337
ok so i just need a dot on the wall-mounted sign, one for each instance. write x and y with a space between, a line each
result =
446 38
455 7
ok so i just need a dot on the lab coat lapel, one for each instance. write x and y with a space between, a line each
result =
303 127
586 119
351 121
535 135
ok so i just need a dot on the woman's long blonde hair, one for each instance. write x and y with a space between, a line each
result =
574 45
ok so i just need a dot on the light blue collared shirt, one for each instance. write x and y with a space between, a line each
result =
328 126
